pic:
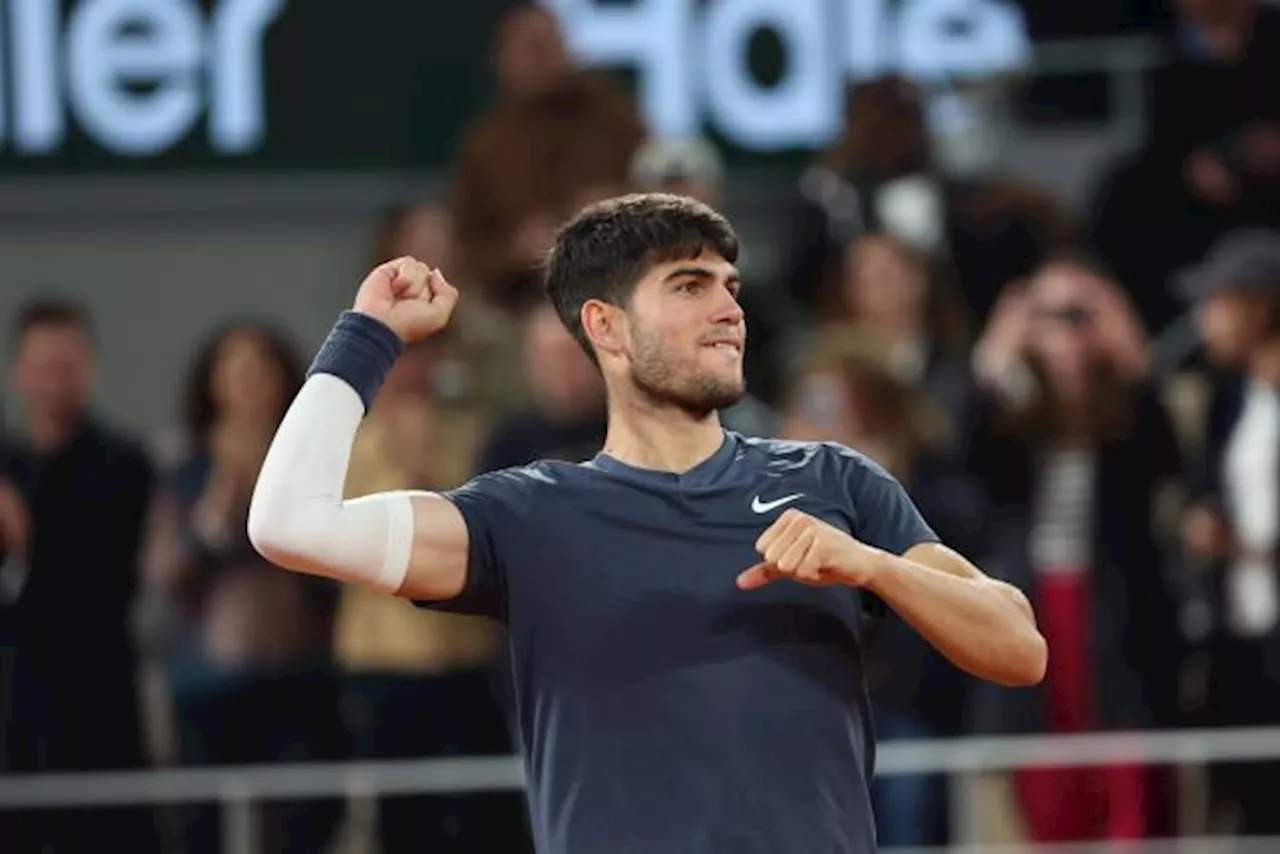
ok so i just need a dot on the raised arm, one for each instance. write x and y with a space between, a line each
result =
413 544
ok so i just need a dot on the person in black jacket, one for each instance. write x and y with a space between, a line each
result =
1075 446
1234 525
88 489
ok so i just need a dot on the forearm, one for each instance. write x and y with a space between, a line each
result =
298 519
983 626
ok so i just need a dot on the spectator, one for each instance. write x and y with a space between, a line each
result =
895 290
24 741
1213 160
477 360
556 135
684 167
420 682
1234 524
567 418
880 176
1074 447
87 488
850 391
250 663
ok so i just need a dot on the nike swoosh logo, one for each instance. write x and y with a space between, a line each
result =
759 506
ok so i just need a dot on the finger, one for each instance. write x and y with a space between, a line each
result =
757 576
782 545
780 528
410 278
810 568
438 288
795 552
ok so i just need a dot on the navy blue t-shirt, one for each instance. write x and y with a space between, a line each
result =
662 710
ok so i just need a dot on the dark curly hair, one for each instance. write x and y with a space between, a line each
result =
604 251
199 411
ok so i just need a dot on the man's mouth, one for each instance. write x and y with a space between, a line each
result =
726 345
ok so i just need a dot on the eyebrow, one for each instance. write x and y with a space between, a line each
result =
698 272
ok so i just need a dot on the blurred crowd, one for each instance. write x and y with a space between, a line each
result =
993 348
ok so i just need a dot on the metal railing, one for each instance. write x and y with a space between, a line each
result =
237 789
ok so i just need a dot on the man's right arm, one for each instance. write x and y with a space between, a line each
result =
413 544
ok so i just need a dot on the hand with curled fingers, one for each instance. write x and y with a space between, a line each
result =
414 300
807 550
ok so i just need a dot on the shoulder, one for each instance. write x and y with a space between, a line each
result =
515 485
781 451
842 474
814 455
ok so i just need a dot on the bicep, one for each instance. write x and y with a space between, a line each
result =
438 554
386 541
410 543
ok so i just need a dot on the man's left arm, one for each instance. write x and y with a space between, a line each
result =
984 626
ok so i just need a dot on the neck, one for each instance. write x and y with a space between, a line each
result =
48 431
661 438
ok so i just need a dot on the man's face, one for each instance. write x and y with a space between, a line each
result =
53 369
686 334
1232 325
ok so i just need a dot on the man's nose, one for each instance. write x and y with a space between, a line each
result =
729 310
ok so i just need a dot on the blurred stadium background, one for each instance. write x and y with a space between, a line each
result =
968 226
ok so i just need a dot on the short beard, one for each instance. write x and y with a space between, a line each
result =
653 375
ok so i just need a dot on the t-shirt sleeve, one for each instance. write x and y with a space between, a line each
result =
492 506
884 514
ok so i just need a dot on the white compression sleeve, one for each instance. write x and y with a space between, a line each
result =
298 519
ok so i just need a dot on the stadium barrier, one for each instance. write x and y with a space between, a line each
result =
237 789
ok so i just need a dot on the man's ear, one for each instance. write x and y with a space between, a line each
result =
604 325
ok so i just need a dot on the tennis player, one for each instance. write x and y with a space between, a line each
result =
684 609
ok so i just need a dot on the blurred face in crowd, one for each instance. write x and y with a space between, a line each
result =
530 52
1063 322
686 334
1209 13
247 383
425 233
1232 325
412 374
884 285
886 134
824 410
561 377
53 370
857 405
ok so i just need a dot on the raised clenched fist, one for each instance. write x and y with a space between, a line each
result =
408 296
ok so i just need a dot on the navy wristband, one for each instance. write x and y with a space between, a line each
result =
360 351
